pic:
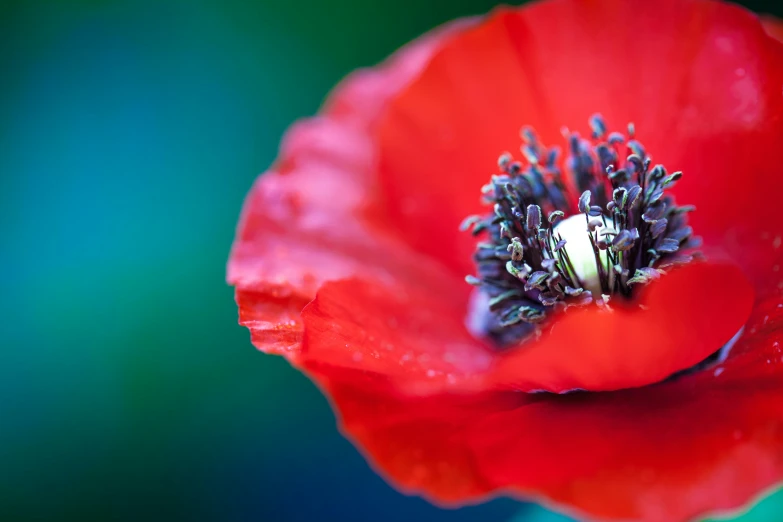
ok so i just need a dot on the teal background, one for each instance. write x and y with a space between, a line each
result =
130 132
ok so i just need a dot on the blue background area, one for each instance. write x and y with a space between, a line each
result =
130 131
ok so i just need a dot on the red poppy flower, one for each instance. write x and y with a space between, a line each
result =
348 261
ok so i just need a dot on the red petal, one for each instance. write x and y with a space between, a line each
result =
700 79
773 26
414 339
688 315
417 339
306 220
671 452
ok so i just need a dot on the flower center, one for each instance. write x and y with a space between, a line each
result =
548 250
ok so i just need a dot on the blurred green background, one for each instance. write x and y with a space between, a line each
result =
130 132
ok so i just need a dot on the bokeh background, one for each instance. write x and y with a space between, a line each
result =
130 132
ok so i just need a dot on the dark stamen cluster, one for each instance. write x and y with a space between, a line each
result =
635 229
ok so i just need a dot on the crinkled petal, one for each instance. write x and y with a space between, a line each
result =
411 337
702 443
417 340
309 219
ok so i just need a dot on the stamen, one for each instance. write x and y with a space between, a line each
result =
549 249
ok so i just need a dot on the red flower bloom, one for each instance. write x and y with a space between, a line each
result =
349 262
